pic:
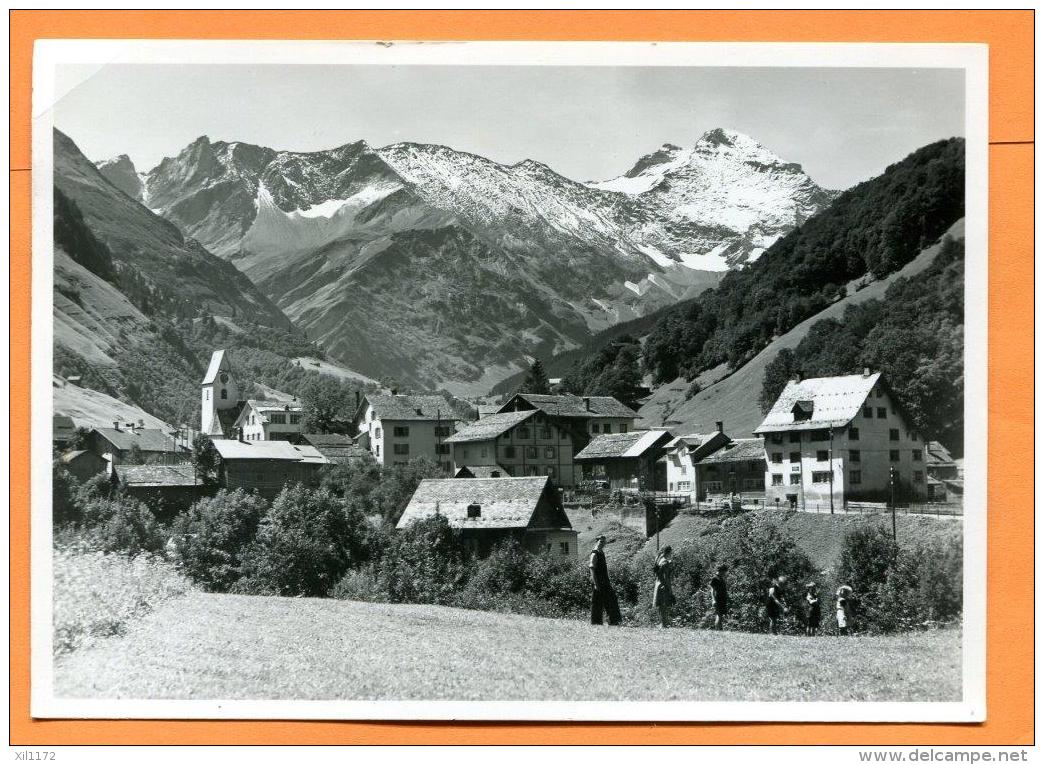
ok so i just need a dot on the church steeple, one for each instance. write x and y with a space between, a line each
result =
219 391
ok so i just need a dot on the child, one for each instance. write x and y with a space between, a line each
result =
844 592
813 614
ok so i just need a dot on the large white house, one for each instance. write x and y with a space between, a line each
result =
828 440
398 428
262 420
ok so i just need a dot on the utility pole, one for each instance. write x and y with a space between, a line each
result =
831 463
891 482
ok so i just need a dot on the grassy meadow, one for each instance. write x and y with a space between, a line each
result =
211 646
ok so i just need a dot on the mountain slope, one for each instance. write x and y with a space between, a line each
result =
735 399
556 260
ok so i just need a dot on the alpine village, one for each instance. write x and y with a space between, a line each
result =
412 375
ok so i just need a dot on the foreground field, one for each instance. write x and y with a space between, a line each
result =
237 647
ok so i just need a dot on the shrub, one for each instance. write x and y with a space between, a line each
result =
305 543
399 482
97 594
96 487
64 487
212 535
121 525
423 563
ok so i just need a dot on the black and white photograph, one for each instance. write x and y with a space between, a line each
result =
505 381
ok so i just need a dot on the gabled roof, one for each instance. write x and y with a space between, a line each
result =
572 406
691 441
335 447
737 450
835 402
143 476
147 439
504 503
234 449
623 445
270 405
489 427
939 455
70 456
412 407
64 421
218 360
481 471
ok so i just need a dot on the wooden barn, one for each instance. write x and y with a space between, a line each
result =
267 466
628 461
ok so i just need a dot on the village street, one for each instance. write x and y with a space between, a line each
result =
209 646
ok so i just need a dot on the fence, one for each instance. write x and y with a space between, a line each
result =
948 509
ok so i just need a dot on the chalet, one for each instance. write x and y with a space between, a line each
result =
945 479
628 461
63 431
523 443
336 447
129 441
589 415
221 405
166 489
829 440
481 471
263 420
83 464
681 457
398 428
491 510
736 470
266 466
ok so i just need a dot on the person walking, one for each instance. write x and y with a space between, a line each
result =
776 604
663 592
813 612
603 599
719 597
841 606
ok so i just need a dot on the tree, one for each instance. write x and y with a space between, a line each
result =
211 536
399 482
622 380
324 400
134 456
205 459
536 381
81 439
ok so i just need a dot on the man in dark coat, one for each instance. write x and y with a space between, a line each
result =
603 598
719 597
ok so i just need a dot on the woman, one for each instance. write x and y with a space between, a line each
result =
844 592
813 612
776 604
663 594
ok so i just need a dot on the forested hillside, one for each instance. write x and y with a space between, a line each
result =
872 229
915 335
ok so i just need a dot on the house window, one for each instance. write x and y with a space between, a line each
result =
474 511
509 452
754 484
868 412
442 449
893 434
295 419
853 433
795 456
683 469
893 455
714 487
623 427
378 451
918 476
549 452
482 452
776 438
684 485
594 428
795 437
531 452
879 393
777 456
822 455
881 412
441 431
550 470
376 432
278 418
564 548
545 434
523 433
853 455
224 393
795 479
916 455
401 431
855 477
821 476
400 449
819 435
777 480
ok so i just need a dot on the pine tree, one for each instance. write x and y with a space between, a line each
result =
536 381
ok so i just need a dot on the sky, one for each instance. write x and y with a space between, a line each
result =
587 123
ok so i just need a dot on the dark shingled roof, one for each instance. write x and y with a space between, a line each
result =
335 446
574 406
489 427
738 450
939 455
147 439
481 471
505 503
142 476
623 445
413 407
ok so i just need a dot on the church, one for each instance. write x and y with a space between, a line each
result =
225 415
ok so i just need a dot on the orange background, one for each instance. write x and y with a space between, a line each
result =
1010 551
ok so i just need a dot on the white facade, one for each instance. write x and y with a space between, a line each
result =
218 391
270 420
394 441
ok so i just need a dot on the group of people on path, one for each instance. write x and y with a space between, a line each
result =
605 603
